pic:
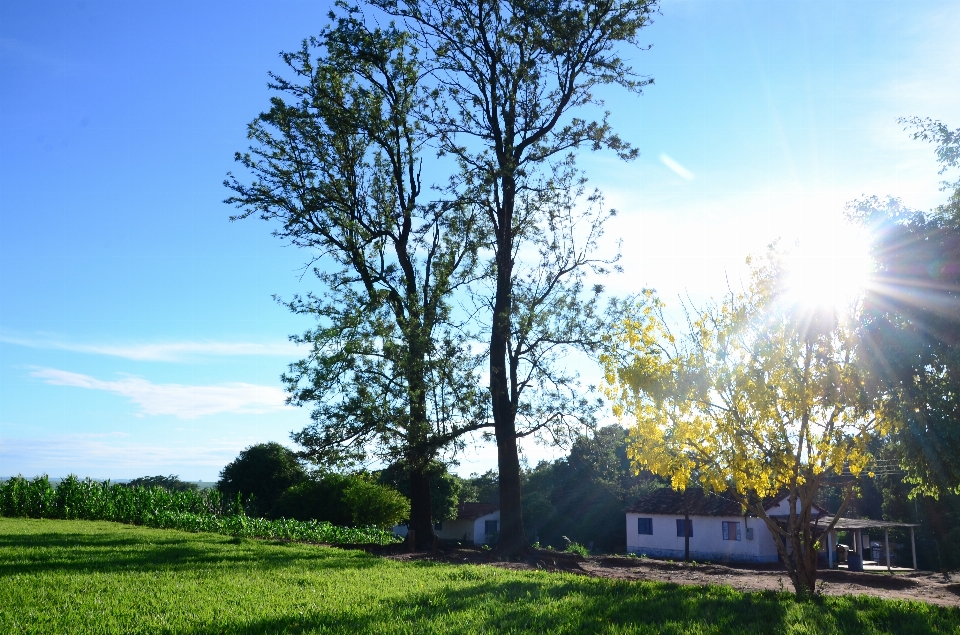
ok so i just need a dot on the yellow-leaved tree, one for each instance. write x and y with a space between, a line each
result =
760 398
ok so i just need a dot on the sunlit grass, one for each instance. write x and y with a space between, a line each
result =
98 577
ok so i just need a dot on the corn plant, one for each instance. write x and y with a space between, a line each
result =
193 511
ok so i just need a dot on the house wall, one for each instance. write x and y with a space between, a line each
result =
707 542
461 530
479 524
468 531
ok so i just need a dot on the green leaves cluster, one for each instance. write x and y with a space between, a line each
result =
911 321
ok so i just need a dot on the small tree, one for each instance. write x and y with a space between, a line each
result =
263 471
760 399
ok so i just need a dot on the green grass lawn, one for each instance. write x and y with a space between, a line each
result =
96 577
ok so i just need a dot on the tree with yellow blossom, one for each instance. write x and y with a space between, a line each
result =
762 397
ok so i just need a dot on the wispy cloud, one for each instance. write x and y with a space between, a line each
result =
179 400
675 167
113 455
160 352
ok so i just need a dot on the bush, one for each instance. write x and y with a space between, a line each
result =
578 549
316 500
262 473
375 505
343 499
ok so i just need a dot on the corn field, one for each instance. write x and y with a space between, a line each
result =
194 511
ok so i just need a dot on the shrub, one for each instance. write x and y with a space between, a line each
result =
375 504
320 500
343 499
577 548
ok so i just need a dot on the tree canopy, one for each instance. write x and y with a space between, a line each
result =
263 471
760 398
337 162
911 322
171 482
511 79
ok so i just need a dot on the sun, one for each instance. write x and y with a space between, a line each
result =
829 271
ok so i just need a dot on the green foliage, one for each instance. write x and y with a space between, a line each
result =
911 323
445 488
577 548
374 504
194 511
95 500
316 499
343 499
171 482
581 496
72 577
338 162
480 488
261 472
948 156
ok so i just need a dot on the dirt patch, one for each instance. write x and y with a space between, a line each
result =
923 586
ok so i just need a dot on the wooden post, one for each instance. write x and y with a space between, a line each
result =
913 549
886 544
829 550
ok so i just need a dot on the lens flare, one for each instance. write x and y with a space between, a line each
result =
830 272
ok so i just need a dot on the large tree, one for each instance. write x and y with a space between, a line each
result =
337 161
912 321
262 471
512 78
761 398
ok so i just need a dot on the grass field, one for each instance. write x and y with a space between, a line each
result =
61 576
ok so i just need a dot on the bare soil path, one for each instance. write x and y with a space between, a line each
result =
924 586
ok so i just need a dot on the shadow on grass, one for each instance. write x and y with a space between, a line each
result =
584 606
90 552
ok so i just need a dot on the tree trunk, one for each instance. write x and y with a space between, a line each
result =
513 540
421 514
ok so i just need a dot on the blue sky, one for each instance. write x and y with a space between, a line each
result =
137 331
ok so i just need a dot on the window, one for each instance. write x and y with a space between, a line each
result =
438 526
645 526
731 531
680 527
490 526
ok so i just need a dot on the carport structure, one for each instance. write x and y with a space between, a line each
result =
857 525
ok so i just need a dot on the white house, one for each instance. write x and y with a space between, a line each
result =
477 523
718 528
